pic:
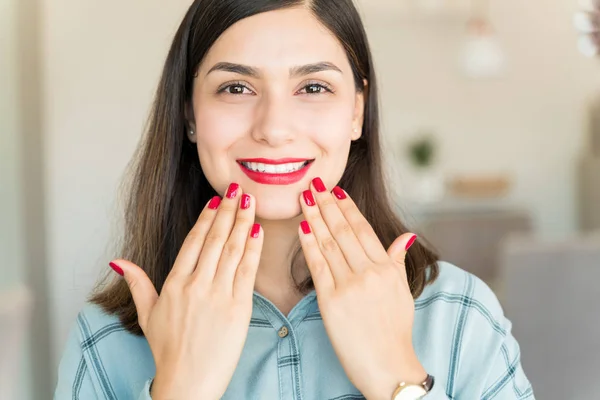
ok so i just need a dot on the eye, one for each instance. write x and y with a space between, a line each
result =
315 88
235 89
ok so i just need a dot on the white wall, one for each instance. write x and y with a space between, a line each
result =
101 62
530 123
101 65
12 267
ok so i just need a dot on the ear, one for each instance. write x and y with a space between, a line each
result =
190 121
359 112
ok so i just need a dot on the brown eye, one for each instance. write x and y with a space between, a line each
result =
235 89
315 88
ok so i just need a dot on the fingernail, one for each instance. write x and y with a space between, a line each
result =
319 186
308 198
410 242
245 203
305 227
255 231
116 268
232 190
214 203
339 193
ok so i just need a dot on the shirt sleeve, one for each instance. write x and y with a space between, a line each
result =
74 381
145 394
505 376
483 359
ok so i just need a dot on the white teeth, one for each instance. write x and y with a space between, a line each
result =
275 169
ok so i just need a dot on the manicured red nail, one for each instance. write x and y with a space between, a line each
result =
116 268
410 242
214 203
255 231
339 193
245 203
305 227
308 198
232 190
319 186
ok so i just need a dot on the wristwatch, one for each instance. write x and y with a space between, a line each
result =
407 391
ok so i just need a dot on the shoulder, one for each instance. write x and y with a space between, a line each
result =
457 289
459 309
100 330
94 323
120 362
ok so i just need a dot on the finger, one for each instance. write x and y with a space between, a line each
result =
317 264
245 273
360 226
142 290
187 258
340 228
234 248
327 244
399 249
217 235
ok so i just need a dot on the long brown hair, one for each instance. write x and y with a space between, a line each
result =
167 189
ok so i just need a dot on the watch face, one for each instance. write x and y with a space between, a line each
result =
411 392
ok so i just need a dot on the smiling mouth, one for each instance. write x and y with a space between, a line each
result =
285 168
280 166
275 172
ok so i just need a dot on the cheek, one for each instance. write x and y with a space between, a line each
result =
330 125
218 130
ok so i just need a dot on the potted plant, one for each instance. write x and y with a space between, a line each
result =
422 153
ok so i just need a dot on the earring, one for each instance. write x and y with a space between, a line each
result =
355 130
191 132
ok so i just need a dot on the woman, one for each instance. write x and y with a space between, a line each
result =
297 284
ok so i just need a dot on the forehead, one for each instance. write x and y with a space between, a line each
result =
280 38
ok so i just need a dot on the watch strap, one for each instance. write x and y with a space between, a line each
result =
428 384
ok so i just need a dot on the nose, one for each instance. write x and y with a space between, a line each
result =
274 125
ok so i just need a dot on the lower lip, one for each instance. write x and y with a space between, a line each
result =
276 179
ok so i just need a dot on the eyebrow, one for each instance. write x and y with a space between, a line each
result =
312 68
253 72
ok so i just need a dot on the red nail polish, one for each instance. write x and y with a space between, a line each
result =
214 203
410 242
232 190
305 227
339 193
245 203
255 231
116 268
319 186
308 198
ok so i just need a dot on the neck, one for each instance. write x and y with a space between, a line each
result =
273 278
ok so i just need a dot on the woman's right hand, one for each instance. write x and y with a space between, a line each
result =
198 325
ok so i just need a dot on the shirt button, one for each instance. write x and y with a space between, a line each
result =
283 332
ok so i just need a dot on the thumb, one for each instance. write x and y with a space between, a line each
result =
142 290
397 250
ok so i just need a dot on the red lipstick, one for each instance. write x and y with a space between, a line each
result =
286 178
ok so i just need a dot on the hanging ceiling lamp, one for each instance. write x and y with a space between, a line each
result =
482 55
587 23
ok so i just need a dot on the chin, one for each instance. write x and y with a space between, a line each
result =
277 210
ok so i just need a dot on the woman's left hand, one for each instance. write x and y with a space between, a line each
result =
362 291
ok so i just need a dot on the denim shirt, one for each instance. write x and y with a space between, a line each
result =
460 336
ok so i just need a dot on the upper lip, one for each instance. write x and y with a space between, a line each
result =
274 162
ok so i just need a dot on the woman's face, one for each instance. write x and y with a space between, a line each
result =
275 86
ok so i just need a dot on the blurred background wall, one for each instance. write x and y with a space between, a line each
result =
77 79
